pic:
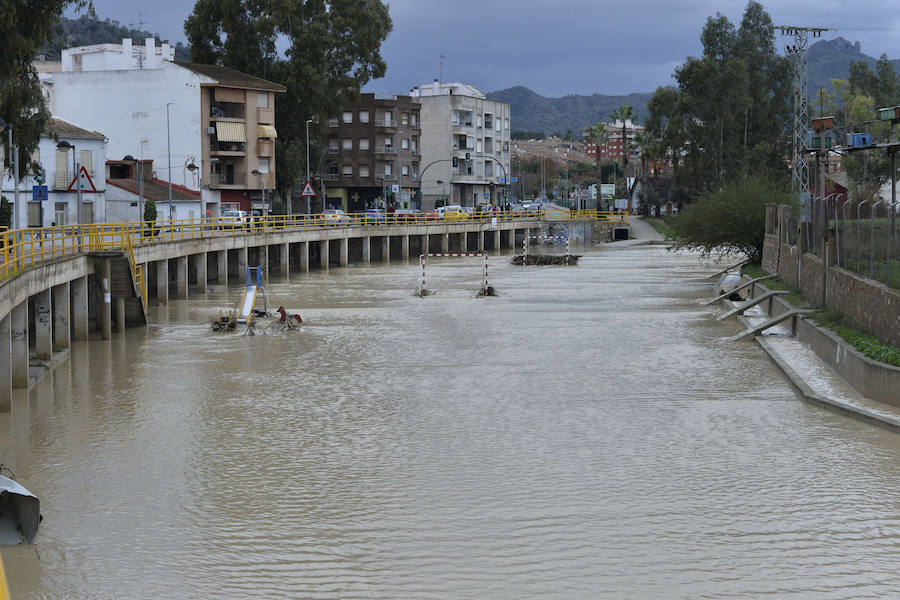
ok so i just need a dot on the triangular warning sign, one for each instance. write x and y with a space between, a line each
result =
308 190
83 181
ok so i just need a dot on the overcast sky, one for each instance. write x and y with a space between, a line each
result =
560 47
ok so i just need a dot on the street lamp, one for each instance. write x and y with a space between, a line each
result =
64 146
308 211
262 189
14 159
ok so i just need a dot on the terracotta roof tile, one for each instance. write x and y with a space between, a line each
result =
230 77
64 129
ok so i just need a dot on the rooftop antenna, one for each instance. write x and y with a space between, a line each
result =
441 75
140 32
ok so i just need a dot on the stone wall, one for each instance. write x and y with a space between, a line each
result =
770 253
812 278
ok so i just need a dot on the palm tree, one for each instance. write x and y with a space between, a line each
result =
599 136
623 113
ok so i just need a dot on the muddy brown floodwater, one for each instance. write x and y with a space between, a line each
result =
587 434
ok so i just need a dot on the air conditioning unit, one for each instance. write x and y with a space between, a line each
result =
210 131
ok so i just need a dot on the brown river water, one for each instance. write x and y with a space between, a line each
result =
588 434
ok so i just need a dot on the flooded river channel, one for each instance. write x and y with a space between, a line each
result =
588 434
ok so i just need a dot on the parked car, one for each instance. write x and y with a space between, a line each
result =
456 214
403 216
373 216
335 216
233 219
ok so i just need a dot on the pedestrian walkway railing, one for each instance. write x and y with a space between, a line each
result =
22 248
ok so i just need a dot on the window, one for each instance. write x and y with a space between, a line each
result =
363 143
415 170
415 119
415 145
333 143
478 121
478 146
262 100
388 116
388 142
404 170
332 169
263 165
348 117
497 125
404 118
347 143
488 120
363 170
470 142
363 116
388 168
404 143
505 123
348 170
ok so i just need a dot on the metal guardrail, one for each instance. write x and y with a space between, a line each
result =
21 249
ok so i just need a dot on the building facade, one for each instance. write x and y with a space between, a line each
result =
465 145
374 154
207 128
615 145
63 151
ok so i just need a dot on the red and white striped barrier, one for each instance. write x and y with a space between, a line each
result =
422 258
543 237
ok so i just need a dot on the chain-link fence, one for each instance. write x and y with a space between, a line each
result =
863 237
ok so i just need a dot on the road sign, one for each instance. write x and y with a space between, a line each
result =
395 188
487 195
308 190
39 193
82 182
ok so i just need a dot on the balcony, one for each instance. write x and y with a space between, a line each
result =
386 177
385 150
228 149
333 123
386 124
265 115
61 180
222 179
265 147
331 177
225 111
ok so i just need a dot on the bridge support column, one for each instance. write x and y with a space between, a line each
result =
243 261
104 315
345 251
19 345
367 249
284 259
120 315
80 309
481 241
464 242
181 282
5 365
222 267
43 326
162 281
323 254
304 257
445 243
200 268
496 243
61 333
404 247
386 249
424 244
264 261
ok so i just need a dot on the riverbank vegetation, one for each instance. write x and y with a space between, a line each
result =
662 224
865 343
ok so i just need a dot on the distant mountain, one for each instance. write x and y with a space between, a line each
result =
533 112
830 59
86 31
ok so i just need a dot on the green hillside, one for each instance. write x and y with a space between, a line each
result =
87 31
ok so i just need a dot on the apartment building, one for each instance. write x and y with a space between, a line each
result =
374 154
614 147
465 145
206 128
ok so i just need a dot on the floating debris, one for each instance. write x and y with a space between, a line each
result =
546 259
422 293
487 291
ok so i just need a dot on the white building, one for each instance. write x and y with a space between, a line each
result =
85 149
464 143
177 115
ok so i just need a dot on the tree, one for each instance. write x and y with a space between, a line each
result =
5 213
597 135
149 209
333 48
730 219
623 113
729 114
24 28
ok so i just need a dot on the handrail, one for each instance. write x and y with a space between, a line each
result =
23 248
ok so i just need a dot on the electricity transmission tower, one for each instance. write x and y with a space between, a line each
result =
798 52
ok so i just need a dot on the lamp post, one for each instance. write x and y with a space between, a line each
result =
262 189
169 150
308 211
14 159
64 146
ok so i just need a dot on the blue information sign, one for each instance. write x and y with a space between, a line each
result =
39 193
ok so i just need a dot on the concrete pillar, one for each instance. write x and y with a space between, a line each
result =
162 281
80 309
5 365
120 315
243 261
367 249
463 242
200 268
104 315
386 249
304 257
284 259
19 345
345 251
264 261
43 326
425 246
445 243
481 241
323 254
497 240
181 282
404 247
222 267
61 333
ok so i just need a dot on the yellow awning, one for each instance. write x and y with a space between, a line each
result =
266 132
227 131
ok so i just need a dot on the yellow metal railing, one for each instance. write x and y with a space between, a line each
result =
23 248
137 271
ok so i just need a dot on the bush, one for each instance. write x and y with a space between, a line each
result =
149 210
730 219
5 213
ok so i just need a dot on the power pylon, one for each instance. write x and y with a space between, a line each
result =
798 52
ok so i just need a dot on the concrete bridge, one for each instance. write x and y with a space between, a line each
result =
64 284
